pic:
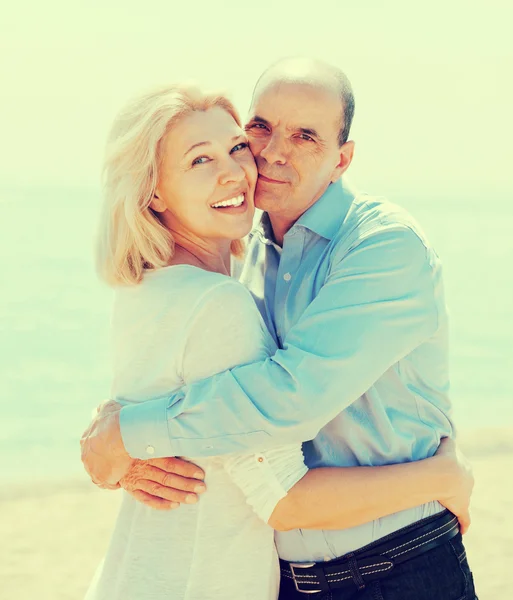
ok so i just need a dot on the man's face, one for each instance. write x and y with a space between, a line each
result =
293 133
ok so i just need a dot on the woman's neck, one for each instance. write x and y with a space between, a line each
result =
209 255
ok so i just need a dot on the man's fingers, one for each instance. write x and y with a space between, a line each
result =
178 467
159 491
105 486
153 501
171 480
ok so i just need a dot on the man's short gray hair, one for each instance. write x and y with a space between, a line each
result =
343 85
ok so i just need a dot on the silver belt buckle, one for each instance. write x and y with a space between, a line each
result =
301 566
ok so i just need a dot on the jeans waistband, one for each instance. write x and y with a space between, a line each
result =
374 561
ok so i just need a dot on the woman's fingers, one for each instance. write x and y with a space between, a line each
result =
464 520
447 446
153 501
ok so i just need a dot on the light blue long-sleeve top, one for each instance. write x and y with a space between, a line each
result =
355 302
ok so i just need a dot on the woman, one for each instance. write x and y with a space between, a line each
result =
179 181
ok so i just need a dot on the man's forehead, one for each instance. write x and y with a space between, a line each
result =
289 86
295 104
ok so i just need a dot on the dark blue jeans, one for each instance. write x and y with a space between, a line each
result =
439 574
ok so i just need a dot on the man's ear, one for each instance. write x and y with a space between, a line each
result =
346 156
157 204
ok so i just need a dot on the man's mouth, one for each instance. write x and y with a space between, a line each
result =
262 177
234 202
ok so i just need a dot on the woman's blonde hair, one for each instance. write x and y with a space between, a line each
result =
131 236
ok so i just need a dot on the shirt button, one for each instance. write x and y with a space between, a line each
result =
150 450
260 458
287 277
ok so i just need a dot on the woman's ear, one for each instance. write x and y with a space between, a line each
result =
157 204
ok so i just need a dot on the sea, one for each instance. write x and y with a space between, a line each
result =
54 319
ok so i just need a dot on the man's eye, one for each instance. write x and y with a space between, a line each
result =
201 160
239 147
306 137
260 126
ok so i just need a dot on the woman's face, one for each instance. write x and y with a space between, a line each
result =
207 178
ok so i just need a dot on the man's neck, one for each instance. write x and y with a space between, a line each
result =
280 227
282 224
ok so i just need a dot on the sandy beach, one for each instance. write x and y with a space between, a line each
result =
54 534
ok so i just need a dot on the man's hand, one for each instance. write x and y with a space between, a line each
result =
460 482
103 452
161 483
164 483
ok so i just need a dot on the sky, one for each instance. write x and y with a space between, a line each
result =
433 82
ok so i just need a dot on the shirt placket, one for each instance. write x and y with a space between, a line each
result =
288 271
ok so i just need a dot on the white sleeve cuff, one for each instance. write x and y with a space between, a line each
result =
265 478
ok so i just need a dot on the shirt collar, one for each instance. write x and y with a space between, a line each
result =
323 218
326 216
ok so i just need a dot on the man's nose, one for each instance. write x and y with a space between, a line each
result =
232 171
274 151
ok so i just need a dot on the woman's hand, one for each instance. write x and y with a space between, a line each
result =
460 481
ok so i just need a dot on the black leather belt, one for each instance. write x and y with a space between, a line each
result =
375 560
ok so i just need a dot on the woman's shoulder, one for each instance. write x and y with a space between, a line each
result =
187 286
191 280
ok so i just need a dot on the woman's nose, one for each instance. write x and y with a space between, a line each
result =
232 172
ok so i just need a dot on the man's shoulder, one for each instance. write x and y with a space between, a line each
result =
371 215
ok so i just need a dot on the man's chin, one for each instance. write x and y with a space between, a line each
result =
265 201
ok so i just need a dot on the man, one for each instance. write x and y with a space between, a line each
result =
352 293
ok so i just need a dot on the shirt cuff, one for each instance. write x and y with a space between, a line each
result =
267 477
144 429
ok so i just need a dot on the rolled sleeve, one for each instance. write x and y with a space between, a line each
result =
266 477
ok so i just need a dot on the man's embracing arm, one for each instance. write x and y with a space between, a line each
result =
379 302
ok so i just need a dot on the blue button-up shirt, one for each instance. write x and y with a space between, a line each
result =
355 302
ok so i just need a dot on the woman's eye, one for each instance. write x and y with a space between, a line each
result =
201 160
241 146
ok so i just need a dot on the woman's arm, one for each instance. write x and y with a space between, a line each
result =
339 498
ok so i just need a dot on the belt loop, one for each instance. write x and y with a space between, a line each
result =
355 572
325 586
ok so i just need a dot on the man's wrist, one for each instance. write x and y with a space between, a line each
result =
144 429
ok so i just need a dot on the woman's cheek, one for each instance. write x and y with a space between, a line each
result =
250 167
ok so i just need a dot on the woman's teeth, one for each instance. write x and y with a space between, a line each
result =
237 201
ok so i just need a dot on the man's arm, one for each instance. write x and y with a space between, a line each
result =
379 302
161 483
